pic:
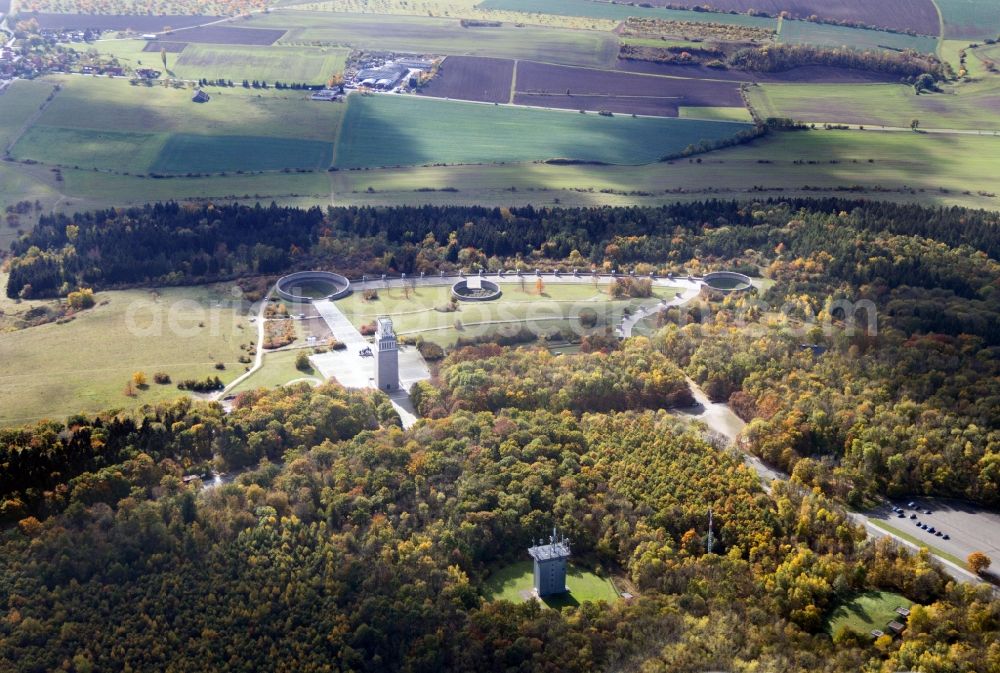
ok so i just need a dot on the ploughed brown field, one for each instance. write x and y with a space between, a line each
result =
819 74
919 16
474 78
230 35
142 24
572 88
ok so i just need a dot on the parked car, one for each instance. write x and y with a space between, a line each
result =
927 511
913 516
911 505
900 516
945 537
931 530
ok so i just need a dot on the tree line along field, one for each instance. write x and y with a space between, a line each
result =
183 332
620 12
414 131
918 16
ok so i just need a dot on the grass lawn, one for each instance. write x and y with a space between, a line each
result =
867 611
829 35
722 114
508 583
967 105
557 308
82 366
277 370
414 131
427 35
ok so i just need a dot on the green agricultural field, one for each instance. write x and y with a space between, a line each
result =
186 153
106 104
723 114
867 611
620 12
413 131
966 105
970 19
268 64
82 366
885 165
442 36
827 35
514 581
113 126
890 166
124 151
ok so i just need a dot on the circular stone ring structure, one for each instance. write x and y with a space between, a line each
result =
487 290
326 285
727 282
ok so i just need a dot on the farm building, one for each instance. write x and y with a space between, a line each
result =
385 77
201 97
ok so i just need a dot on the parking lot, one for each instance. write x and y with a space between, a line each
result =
969 529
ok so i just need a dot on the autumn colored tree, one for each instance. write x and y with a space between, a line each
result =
978 562
139 379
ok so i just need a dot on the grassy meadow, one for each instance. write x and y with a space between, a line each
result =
414 131
966 105
829 35
83 365
277 370
426 35
558 307
889 165
867 611
970 19
509 583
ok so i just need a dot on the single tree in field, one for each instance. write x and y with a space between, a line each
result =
978 562
129 389
163 57
302 362
139 379
539 286
914 124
